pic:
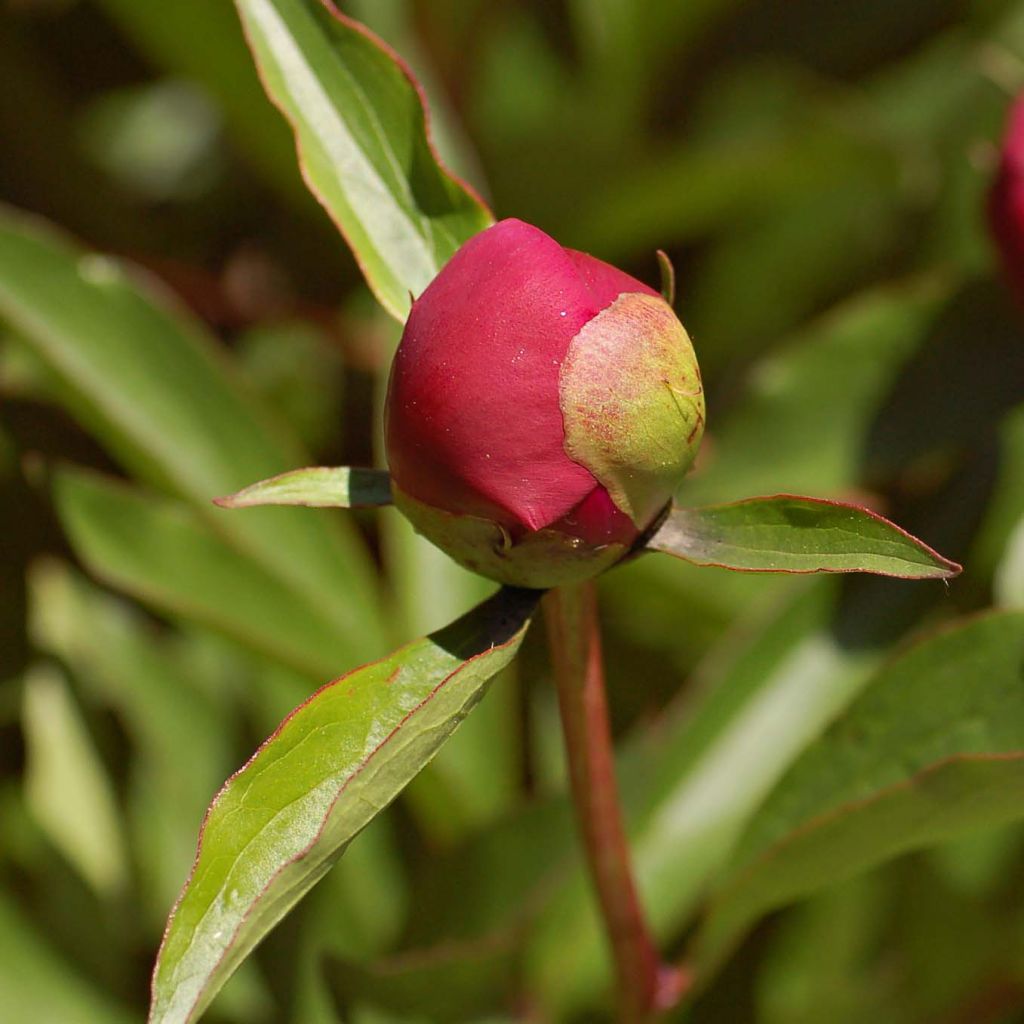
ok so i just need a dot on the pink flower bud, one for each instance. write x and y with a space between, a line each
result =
543 407
1006 200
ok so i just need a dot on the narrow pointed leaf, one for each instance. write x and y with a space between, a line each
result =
280 823
155 389
163 701
168 556
37 983
932 749
67 787
317 487
360 129
788 533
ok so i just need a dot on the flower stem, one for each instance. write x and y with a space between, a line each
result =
575 638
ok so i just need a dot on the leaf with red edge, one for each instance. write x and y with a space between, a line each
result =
932 749
361 130
279 824
793 534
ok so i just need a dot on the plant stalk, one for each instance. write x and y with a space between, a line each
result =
644 985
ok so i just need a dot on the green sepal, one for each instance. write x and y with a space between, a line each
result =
541 559
633 403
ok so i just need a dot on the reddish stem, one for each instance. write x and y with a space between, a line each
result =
575 637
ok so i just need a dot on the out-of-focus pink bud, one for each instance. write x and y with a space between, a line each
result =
543 406
1006 200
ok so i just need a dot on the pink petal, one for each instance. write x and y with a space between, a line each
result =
1006 200
473 418
598 521
605 282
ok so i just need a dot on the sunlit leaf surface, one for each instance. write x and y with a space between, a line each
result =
281 822
360 129
317 487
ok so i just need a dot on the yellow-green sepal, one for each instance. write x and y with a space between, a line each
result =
633 403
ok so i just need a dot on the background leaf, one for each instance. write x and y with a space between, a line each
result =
149 381
168 555
67 788
37 983
218 58
931 749
121 661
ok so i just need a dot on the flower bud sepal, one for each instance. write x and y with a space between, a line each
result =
537 559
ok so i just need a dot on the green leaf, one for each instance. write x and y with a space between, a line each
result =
623 46
992 551
934 748
1009 581
767 689
166 555
787 533
120 662
340 758
67 787
684 192
153 387
402 28
170 697
299 371
799 426
203 43
316 487
360 129
450 982
148 379
36 983
818 965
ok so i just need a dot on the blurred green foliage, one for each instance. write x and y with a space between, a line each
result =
817 173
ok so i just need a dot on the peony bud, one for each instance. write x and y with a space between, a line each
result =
542 408
1006 200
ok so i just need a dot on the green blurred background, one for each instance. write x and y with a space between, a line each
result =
816 169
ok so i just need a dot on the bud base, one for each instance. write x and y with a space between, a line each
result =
538 560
